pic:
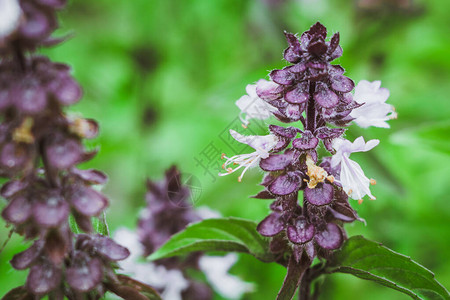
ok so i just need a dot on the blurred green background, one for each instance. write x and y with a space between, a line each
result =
162 76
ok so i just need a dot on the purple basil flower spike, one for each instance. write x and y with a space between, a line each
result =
317 99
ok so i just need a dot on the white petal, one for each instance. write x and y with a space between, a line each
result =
374 111
354 180
216 271
10 13
205 212
252 106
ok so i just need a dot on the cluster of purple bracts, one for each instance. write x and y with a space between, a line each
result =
40 148
315 93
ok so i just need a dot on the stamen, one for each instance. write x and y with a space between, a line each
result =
244 126
223 156
360 201
229 170
22 134
350 191
223 166
373 181
316 174
330 178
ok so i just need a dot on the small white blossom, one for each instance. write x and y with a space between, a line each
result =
252 106
10 13
262 146
352 177
375 111
216 269
172 282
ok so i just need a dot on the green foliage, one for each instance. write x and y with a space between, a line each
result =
228 234
372 261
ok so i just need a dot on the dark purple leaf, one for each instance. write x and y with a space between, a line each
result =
301 232
286 184
264 195
91 176
283 77
271 225
306 141
12 187
334 42
324 96
299 94
328 133
87 201
63 152
14 155
342 84
322 194
318 29
51 211
268 90
38 23
331 238
289 132
293 52
43 278
110 249
294 111
317 65
337 53
317 48
276 162
84 274
18 210
23 260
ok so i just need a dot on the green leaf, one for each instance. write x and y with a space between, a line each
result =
226 234
372 261
100 225
73 225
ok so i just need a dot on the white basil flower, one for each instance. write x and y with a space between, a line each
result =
253 107
352 177
216 269
10 13
262 146
375 111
